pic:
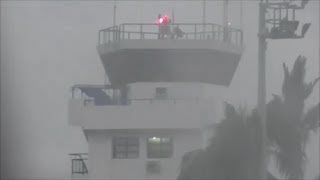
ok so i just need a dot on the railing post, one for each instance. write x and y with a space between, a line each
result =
116 34
113 34
218 33
141 31
99 37
123 32
237 39
213 33
108 36
241 37
195 31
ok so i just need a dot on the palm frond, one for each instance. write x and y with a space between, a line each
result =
287 129
311 119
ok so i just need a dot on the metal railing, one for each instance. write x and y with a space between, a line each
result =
122 99
100 94
190 31
78 163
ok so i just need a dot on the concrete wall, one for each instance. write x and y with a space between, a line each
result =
189 105
177 90
170 44
183 119
80 176
103 166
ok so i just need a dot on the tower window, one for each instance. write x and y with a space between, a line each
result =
125 147
159 147
161 92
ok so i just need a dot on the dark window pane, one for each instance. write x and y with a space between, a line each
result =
125 147
133 155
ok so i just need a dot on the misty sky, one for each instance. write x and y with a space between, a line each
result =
47 46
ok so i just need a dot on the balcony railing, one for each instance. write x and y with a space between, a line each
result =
78 163
104 95
100 95
186 31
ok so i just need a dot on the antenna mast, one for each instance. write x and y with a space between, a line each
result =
241 14
114 13
204 18
225 13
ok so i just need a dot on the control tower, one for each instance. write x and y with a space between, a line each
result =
158 103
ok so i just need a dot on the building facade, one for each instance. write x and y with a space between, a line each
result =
160 101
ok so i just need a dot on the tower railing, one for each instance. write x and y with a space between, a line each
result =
177 31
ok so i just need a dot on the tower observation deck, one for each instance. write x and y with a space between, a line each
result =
160 101
205 53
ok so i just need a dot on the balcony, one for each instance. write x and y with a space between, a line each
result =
100 95
107 107
207 53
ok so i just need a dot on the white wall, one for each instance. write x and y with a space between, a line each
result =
196 107
183 115
169 44
177 90
103 166
183 119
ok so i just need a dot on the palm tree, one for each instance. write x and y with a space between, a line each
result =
288 126
229 155
233 150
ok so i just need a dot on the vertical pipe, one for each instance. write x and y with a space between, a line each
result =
204 18
293 14
225 19
195 31
262 92
280 9
105 78
141 31
173 16
225 13
114 14
274 17
241 14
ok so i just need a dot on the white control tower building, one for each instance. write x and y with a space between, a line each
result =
158 103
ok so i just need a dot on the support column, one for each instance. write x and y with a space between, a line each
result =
262 167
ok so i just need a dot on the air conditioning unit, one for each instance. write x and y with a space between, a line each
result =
153 167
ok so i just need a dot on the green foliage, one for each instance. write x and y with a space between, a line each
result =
229 155
287 126
234 149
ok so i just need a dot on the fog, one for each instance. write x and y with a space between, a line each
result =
48 46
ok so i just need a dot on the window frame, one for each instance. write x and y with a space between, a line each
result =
127 146
162 153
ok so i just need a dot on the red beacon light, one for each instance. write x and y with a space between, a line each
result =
163 19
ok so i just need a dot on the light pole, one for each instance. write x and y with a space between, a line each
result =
262 90
280 28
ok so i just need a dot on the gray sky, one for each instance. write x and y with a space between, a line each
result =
47 46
